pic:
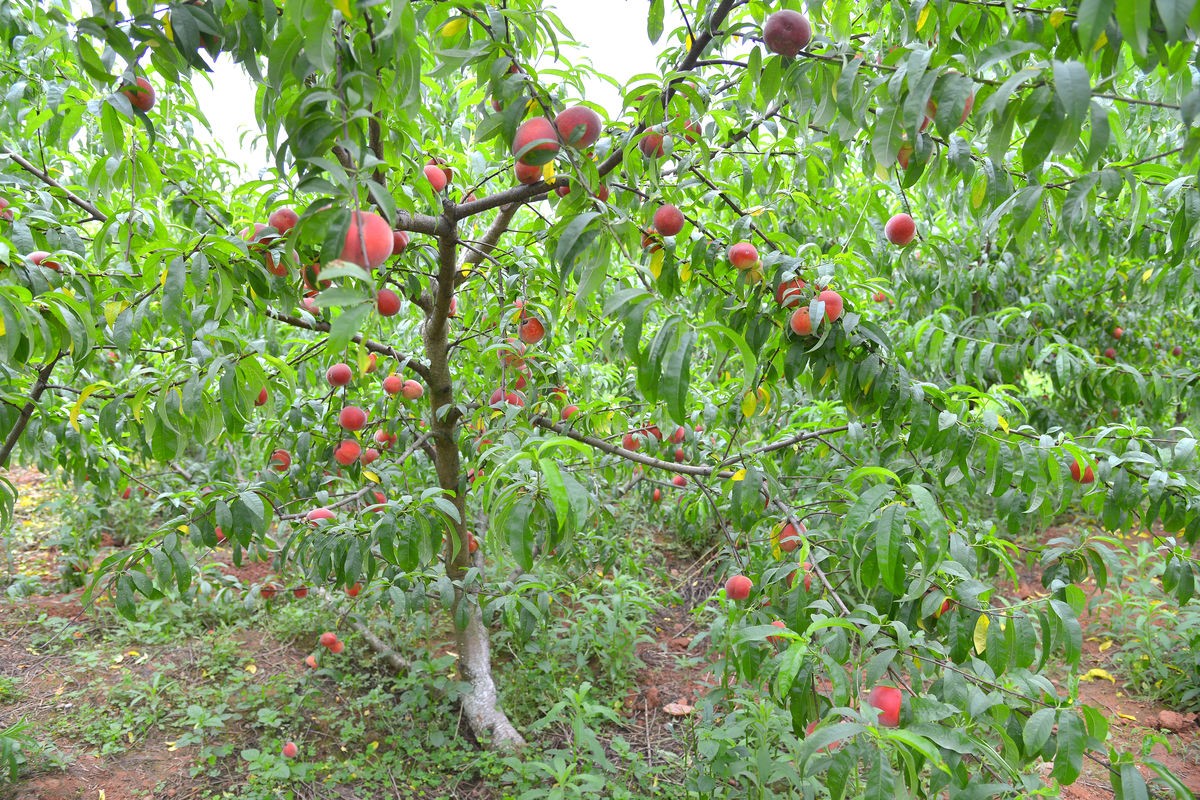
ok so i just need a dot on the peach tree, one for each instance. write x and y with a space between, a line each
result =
861 291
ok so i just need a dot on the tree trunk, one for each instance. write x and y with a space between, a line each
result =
480 705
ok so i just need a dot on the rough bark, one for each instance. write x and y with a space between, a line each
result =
481 706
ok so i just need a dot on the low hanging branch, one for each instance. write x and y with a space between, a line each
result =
22 420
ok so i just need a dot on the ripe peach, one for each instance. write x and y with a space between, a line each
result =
787 32
668 220
679 434
680 456
568 412
1086 476
1177 351
738 587
339 374
515 399
385 439
268 591
630 442
679 481
904 155
787 293
531 330
140 94
887 700
1110 354
261 400
879 297
778 640
393 384
42 259
347 452
436 177
352 418
311 662
300 592
528 174
328 638
789 537
399 242
368 240
743 255
651 144
578 126
318 514
372 363
1118 333
411 390
387 303
280 460
283 220
833 304
290 750
6 213
338 647
354 590
368 456
800 322
536 142
900 229
441 164
472 543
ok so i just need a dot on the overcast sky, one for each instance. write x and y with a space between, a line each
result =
229 102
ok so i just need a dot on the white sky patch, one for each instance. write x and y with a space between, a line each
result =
613 39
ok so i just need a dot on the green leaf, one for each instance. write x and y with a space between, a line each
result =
1038 728
1072 740
654 21
517 532
675 378
1092 17
1074 91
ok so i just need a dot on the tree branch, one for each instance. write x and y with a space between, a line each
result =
409 362
35 394
45 178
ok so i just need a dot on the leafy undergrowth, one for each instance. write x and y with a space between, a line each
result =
611 684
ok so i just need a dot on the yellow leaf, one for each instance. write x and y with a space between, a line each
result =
1147 274
688 43
371 476
828 374
1105 645
3 327
133 653
1057 16
924 17
1103 40
182 529
454 27
251 668
1126 716
978 192
740 475
755 211
881 172
171 747
170 34
981 629
112 309
656 263
685 271
372 746
1093 674
73 419
1002 422
749 404
764 397
344 7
